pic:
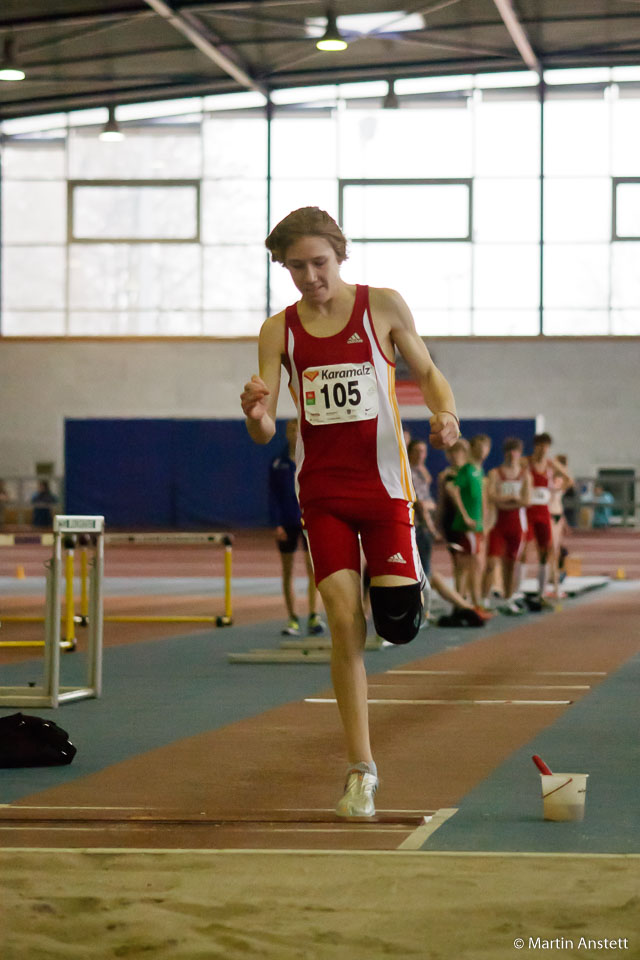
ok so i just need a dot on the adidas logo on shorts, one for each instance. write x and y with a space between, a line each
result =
355 338
396 558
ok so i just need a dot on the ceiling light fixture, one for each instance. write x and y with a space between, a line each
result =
111 131
391 101
9 69
332 39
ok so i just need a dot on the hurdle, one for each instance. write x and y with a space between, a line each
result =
66 531
220 539
69 618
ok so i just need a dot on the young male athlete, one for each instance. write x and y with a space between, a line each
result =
543 469
467 491
337 344
286 513
508 491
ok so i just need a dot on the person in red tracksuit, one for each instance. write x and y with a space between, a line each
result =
543 469
337 345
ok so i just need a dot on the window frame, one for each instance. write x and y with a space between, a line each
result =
409 182
615 237
73 184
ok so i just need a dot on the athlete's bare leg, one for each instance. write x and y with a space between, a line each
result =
508 576
489 576
446 592
341 595
287 582
312 593
471 565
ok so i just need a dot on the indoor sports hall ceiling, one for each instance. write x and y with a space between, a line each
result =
81 53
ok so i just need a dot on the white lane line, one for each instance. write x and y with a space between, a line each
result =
511 686
420 813
470 674
20 806
416 839
456 703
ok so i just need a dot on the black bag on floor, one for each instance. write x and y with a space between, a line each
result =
33 742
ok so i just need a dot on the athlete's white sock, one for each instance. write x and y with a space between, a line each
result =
363 767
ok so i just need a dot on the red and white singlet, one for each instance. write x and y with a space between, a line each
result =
507 538
538 510
350 443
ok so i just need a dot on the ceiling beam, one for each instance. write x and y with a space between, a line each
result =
518 35
206 42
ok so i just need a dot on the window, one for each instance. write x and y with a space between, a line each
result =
626 208
141 211
406 210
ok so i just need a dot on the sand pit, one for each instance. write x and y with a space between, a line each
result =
174 906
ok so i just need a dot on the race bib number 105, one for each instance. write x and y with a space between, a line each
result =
340 393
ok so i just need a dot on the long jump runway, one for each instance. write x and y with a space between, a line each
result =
188 752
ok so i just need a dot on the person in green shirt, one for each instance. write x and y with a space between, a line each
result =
467 490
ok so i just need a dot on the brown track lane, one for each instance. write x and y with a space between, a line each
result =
280 772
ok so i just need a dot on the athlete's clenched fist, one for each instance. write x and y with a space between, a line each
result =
253 398
444 430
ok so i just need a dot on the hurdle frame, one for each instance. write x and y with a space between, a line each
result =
50 693
171 537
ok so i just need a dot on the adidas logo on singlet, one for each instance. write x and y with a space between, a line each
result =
355 338
396 558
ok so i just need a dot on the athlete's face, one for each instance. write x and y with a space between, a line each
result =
513 457
314 268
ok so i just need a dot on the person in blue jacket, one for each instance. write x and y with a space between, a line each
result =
289 533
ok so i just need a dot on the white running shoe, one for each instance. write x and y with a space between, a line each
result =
359 792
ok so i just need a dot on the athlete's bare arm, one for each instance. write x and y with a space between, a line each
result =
559 468
259 398
525 489
454 493
395 327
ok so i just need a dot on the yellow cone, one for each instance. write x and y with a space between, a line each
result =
20 574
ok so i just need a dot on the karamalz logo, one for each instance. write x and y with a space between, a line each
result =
311 374
345 374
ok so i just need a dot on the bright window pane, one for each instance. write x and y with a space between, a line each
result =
234 211
577 210
506 210
507 138
234 278
135 212
166 152
232 323
21 266
38 159
24 323
288 195
283 291
406 210
443 323
303 147
402 143
576 137
625 147
625 275
134 277
34 212
576 323
576 276
626 322
428 275
149 323
506 276
506 323
628 210
235 146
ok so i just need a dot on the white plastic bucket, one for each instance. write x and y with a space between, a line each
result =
563 795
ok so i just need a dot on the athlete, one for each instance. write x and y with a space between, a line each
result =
508 491
543 470
468 494
559 486
337 344
286 511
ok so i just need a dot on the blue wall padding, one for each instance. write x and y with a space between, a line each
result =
188 474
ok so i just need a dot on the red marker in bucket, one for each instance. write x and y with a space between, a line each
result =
541 765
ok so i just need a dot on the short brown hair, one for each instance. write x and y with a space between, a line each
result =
305 222
542 438
512 443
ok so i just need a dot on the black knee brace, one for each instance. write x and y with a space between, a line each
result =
397 612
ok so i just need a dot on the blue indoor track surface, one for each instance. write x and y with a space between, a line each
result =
598 736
